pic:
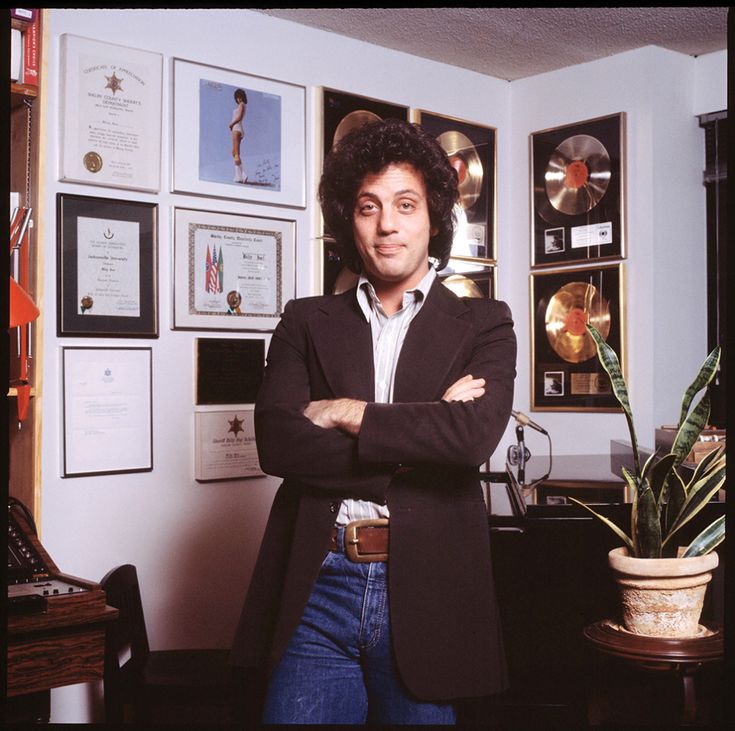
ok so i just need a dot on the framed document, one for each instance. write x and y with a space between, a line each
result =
342 112
110 114
229 371
225 444
578 192
107 267
107 410
231 272
566 374
471 151
238 136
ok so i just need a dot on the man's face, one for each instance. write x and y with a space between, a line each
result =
392 228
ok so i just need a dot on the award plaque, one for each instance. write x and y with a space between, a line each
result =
229 371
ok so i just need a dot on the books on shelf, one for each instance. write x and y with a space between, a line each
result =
25 46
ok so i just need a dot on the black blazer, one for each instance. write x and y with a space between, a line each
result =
444 618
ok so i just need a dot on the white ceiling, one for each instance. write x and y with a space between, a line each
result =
513 43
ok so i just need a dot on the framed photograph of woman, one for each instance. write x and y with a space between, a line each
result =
238 136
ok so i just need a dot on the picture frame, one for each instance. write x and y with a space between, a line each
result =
258 278
107 267
272 145
342 112
578 192
107 410
566 374
109 114
469 278
229 370
225 448
471 148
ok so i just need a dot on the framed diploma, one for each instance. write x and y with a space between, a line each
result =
231 272
107 410
566 374
470 148
107 267
578 192
225 444
110 114
238 136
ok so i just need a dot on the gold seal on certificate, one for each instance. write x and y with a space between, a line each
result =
87 303
93 162
233 300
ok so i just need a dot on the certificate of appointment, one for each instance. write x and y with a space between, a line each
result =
225 445
108 267
110 114
107 410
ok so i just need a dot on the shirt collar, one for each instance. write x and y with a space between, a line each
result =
367 299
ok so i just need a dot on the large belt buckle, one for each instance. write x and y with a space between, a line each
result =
352 542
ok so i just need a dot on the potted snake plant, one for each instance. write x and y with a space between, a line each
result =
663 585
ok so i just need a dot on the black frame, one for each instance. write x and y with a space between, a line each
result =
609 209
72 322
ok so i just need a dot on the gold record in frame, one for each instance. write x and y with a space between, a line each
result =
471 148
578 192
566 373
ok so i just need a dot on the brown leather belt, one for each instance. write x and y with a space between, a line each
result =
365 540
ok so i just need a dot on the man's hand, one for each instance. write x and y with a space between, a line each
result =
342 413
466 388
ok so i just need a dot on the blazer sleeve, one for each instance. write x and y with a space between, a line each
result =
290 445
451 433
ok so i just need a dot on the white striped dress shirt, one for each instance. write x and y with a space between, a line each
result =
388 332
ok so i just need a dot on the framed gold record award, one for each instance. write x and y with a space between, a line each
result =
578 192
471 151
341 113
566 374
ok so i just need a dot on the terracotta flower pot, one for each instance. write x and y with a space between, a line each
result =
662 597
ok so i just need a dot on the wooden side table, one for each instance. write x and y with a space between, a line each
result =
683 656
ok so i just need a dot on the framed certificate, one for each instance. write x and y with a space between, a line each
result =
229 370
110 114
471 151
231 272
238 136
107 410
566 374
578 192
225 444
107 267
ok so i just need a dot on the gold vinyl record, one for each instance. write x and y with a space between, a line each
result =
569 310
577 175
464 159
462 286
351 121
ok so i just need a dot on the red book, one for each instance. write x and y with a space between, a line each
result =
30 53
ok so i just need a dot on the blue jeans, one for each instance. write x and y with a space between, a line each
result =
338 667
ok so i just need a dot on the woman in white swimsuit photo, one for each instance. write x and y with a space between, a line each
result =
238 132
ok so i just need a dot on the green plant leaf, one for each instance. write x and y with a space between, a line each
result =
648 464
648 526
706 372
698 496
618 532
708 463
692 427
707 540
609 360
633 485
659 472
676 495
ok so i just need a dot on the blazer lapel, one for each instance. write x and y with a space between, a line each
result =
344 347
431 346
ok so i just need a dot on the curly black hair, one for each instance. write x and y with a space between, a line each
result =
369 149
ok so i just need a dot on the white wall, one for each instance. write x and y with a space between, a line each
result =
195 544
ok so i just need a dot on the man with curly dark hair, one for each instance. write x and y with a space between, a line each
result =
372 599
